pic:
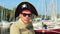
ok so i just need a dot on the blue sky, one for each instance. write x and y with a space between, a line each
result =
10 4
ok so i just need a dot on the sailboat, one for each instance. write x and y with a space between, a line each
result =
48 25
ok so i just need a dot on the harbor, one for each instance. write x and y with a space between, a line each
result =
47 21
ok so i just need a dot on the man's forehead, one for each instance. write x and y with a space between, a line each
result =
26 11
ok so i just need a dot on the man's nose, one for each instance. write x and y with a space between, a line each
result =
27 16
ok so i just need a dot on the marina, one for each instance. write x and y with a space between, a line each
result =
46 23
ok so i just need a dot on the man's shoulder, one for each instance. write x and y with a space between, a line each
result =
14 24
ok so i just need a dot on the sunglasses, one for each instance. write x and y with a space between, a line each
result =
24 14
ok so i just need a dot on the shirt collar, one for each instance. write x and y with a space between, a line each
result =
21 22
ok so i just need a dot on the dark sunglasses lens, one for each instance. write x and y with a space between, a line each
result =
29 15
24 15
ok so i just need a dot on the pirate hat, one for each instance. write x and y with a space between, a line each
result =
25 6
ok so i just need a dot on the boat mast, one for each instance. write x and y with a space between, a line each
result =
56 9
52 10
44 7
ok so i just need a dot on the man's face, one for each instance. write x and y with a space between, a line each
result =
25 16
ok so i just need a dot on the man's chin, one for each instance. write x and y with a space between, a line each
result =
26 22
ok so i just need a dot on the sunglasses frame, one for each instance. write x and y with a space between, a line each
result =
24 14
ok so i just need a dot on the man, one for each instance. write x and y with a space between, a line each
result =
23 26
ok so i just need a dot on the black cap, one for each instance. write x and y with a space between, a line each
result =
25 6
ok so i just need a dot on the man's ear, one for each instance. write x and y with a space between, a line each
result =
19 15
